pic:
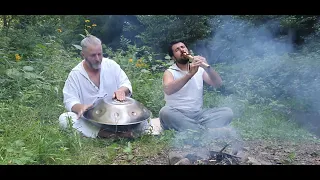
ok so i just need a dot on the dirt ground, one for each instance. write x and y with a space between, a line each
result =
260 153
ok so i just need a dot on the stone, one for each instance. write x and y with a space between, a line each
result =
174 158
184 161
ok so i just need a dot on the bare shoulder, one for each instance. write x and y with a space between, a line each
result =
167 76
167 73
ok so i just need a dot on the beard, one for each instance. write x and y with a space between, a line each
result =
95 66
182 61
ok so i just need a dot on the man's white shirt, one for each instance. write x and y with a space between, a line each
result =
79 88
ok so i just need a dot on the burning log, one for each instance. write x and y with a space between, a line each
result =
221 157
215 158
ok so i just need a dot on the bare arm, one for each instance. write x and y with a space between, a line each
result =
170 85
211 77
79 109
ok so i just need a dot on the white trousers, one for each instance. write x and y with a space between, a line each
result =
91 129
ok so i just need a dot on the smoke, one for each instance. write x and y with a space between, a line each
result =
260 67
252 53
194 141
264 67
239 41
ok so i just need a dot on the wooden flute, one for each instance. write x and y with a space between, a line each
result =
190 57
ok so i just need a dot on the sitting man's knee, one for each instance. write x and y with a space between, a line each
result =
164 112
64 119
164 117
228 114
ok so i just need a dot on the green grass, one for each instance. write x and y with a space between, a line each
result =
262 123
27 139
254 121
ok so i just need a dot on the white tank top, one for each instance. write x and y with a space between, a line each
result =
190 96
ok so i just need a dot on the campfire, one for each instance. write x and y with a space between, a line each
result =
215 158
219 147
212 158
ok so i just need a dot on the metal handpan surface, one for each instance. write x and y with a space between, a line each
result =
114 112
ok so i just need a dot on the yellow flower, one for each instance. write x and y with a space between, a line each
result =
18 57
141 64
139 60
87 21
59 30
130 60
93 25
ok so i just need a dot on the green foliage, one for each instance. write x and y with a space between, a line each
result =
159 30
16 153
145 74
37 73
297 21
107 27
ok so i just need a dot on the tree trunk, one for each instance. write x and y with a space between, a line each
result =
4 20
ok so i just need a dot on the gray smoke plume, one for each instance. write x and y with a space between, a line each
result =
264 68
252 52
261 68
